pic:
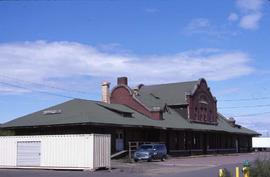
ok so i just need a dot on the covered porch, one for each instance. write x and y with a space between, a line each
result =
178 142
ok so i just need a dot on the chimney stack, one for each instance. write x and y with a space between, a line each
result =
105 91
122 81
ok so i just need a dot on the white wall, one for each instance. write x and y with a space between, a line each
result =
61 151
260 142
8 152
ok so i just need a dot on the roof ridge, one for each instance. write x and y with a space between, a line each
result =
171 83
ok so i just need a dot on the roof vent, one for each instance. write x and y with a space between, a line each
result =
140 86
231 121
137 89
156 108
153 95
188 93
52 111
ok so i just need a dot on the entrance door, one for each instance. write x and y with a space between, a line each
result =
119 140
28 153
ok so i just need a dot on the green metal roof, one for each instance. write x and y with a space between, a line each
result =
116 107
171 94
78 111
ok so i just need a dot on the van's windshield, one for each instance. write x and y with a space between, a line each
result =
146 147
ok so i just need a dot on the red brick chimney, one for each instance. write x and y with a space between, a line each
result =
122 81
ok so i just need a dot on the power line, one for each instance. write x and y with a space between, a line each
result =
82 92
237 107
44 85
250 115
70 97
246 99
40 91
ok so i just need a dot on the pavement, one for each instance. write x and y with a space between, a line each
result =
203 166
186 165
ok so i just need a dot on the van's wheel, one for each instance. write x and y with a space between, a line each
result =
149 160
136 160
163 158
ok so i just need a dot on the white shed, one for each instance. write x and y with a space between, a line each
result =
261 142
84 151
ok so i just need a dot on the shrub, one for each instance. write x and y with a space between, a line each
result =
260 168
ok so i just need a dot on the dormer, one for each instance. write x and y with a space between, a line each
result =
123 94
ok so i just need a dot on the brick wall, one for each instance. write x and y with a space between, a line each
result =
123 95
202 105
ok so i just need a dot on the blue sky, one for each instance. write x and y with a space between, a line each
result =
52 49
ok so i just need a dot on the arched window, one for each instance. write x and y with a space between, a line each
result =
202 109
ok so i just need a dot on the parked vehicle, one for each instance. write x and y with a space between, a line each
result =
151 152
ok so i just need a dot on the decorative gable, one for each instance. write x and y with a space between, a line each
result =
202 106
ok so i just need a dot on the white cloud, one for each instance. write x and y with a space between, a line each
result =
9 89
249 5
198 23
260 124
204 28
77 64
229 91
250 21
233 17
250 13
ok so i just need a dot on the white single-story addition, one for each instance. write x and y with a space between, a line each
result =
81 151
261 142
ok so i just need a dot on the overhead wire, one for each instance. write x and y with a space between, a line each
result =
81 92
246 99
40 91
253 114
250 106
44 85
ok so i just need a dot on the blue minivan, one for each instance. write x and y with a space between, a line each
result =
151 152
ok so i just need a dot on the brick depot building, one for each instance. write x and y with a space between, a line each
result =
182 115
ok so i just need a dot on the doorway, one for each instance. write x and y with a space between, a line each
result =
28 153
119 141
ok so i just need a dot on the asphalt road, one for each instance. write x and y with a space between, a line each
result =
208 172
173 167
